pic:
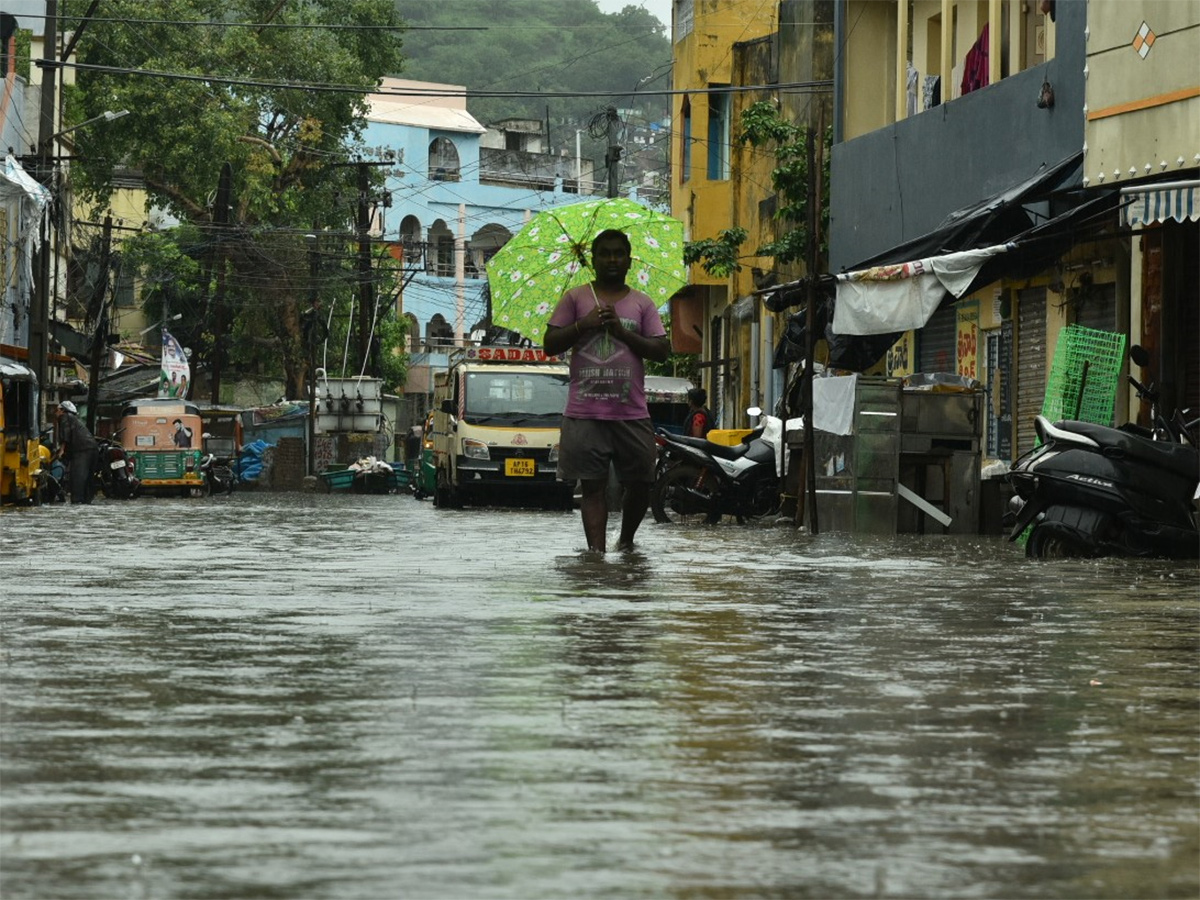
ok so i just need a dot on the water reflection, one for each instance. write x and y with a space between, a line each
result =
363 697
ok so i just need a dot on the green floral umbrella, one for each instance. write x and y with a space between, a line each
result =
552 253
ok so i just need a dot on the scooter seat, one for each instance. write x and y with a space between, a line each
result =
722 451
1179 459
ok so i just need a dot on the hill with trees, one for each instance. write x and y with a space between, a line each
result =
509 53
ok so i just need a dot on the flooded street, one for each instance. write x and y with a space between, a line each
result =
300 696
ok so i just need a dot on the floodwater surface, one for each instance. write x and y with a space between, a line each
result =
361 697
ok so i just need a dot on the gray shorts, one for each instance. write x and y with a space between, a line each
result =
588 446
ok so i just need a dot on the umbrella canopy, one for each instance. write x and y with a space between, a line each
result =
552 253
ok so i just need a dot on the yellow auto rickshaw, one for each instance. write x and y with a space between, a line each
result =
21 452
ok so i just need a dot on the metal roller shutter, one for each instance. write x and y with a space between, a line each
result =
1031 364
936 342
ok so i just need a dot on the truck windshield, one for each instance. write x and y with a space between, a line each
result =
515 398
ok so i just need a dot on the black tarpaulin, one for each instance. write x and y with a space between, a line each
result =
1002 218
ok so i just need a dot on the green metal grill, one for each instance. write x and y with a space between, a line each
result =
1084 375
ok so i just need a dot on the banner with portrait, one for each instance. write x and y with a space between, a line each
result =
176 373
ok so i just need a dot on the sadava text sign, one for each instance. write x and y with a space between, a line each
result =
510 354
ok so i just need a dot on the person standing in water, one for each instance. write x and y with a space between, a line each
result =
610 329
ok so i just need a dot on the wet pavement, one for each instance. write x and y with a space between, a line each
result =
301 696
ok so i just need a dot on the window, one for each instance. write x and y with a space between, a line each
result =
439 331
410 237
123 291
443 160
440 258
684 15
414 333
718 135
445 256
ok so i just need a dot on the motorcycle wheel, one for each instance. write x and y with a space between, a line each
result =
766 501
670 504
1048 542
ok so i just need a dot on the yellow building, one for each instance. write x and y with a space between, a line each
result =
716 185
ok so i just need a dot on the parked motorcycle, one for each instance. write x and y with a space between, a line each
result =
1090 490
115 473
219 476
698 480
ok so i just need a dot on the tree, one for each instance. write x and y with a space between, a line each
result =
277 91
762 126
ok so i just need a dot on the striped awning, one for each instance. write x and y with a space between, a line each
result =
1151 203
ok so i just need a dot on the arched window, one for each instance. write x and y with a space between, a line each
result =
440 258
439 331
443 160
414 333
486 241
410 237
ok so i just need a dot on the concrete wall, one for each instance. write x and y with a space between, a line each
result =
1143 111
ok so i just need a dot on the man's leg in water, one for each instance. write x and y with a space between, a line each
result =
637 501
593 508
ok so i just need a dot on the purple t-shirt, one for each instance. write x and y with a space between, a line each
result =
607 378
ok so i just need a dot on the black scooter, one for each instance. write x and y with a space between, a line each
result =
1089 490
115 473
698 480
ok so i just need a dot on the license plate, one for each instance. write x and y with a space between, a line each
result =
525 467
117 464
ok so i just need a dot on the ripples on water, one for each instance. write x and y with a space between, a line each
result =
295 696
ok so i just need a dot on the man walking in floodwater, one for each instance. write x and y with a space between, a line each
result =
610 329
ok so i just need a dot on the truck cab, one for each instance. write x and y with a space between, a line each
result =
497 416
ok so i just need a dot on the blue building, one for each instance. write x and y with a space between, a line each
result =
458 192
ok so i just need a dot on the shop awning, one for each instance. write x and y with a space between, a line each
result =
1149 204
1021 256
897 297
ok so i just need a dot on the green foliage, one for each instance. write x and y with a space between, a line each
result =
763 126
542 45
23 62
719 255
677 365
393 364
287 146
174 281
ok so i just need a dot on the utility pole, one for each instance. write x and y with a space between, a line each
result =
221 223
366 306
814 160
39 314
314 332
612 156
100 335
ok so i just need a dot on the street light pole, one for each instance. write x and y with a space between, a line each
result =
107 116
